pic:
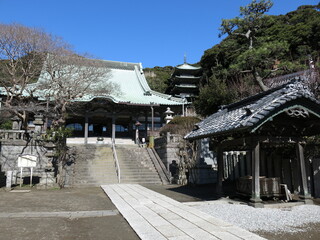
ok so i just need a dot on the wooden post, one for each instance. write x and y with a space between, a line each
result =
86 129
113 137
242 157
146 123
220 171
255 197
304 193
248 163
152 120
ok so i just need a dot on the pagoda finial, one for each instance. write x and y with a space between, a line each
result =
185 58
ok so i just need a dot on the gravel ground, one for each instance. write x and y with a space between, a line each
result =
277 220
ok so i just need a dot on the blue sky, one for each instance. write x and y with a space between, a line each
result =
155 33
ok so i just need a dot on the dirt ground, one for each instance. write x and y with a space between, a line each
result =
91 199
76 199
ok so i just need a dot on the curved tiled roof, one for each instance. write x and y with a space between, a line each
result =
250 113
132 85
187 66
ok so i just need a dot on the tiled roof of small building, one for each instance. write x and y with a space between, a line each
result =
249 113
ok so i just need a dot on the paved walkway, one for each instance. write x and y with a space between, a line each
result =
155 216
77 214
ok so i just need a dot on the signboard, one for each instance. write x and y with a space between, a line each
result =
27 160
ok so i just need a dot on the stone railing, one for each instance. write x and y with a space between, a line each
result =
6 135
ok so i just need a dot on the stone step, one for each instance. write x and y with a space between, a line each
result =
142 182
98 167
95 166
136 166
138 171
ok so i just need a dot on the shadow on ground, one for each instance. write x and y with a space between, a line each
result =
187 193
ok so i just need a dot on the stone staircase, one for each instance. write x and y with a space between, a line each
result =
94 166
136 165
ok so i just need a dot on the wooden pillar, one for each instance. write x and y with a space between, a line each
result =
130 128
220 171
237 169
242 164
231 165
248 163
255 196
146 123
263 171
152 120
304 193
113 133
86 128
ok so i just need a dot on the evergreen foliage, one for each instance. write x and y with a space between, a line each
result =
157 77
180 125
5 124
280 45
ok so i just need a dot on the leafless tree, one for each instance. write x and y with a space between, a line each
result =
41 73
28 54
22 52
67 79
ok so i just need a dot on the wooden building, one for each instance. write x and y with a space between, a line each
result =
260 141
116 114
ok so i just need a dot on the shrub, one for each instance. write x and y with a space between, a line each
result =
180 125
6 125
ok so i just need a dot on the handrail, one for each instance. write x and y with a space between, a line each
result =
161 169
116 162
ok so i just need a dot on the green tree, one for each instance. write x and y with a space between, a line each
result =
249 22
248 25
281 45
157 77
212 96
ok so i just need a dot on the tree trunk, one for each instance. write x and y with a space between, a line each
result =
258 79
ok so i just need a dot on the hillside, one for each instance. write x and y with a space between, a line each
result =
157 77
282 44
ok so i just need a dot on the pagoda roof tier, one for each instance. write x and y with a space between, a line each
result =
186 86
186 68
185 90
185 79
132 87
184 95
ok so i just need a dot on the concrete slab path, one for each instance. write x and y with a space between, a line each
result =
155 216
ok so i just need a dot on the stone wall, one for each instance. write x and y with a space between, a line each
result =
167 148
12 149
205 172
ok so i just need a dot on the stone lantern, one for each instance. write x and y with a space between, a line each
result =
169 116
38 122
15 123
